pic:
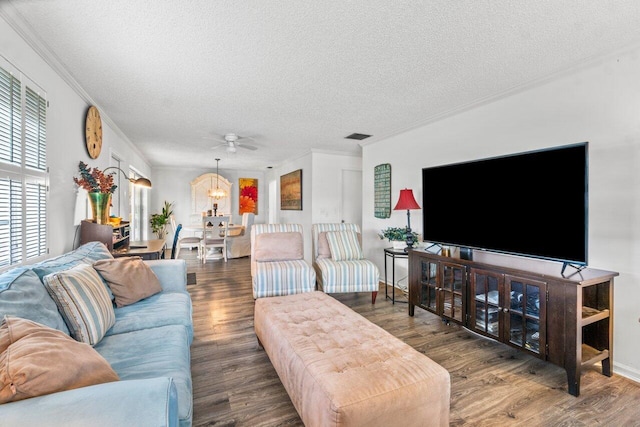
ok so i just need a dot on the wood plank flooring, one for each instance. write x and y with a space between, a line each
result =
234 383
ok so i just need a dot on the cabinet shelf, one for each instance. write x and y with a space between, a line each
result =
592 356
592 315
90 232
527 315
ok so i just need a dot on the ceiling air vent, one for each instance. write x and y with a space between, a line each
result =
358 136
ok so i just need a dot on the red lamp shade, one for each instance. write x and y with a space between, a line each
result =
406 200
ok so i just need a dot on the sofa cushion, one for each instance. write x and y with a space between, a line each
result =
278 246
165 308
150 353
344 245
22 294
45 271
129 278
85 254
40 360
154 403
83 301
358 275
283 278
323 246
88 253
323 250
172 273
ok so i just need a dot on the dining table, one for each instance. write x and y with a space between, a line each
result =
197 230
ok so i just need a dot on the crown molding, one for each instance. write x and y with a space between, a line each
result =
17 22
531 84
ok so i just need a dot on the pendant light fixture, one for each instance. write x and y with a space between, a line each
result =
218 193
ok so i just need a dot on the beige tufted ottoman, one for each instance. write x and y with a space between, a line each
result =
342 370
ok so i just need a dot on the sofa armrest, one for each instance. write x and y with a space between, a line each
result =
172 274
149 402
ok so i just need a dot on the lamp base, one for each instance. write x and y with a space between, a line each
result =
409 239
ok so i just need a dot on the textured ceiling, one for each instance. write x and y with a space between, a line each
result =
302 75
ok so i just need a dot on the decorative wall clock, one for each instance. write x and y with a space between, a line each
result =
93 132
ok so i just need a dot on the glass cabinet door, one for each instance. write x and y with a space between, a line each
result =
526 305
486 306
453 279
428 285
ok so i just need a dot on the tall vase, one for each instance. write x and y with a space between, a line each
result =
100 203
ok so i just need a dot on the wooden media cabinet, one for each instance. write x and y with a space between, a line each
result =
566 320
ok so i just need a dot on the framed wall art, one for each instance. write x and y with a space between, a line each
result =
248 195
291 191
382 190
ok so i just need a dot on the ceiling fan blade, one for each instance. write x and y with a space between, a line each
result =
245 138
247 147
212 138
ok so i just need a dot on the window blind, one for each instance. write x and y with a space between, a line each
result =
10 118
35 131
23 170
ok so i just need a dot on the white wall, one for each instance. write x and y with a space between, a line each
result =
321 190
326 186
173 185
65 137
599 104
303 217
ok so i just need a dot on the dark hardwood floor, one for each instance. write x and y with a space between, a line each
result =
234 383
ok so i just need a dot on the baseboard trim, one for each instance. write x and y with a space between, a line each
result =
627 372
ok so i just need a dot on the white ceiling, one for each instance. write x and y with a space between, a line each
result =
302 75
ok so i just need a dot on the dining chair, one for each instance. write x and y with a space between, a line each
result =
176 236
239 243
186 241
214 236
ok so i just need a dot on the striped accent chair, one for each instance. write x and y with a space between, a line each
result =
277 261
339 263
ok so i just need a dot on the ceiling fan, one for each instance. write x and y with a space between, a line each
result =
233 141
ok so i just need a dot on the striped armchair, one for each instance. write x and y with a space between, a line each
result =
277 261
339 263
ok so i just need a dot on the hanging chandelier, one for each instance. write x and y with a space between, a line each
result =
217 193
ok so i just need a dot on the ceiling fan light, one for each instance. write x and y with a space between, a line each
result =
231 148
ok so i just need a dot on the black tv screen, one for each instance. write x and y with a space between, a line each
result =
533 204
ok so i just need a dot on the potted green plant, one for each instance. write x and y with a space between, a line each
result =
397 236
159 221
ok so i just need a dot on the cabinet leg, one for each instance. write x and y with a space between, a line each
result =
412 309
606 367
573 382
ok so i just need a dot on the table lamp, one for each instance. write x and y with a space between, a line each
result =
408 202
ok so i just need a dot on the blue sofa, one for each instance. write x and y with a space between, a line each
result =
148 347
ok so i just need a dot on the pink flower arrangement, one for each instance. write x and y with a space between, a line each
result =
94 180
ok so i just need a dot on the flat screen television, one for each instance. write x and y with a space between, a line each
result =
533 204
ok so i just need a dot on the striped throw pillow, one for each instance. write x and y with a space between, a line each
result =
344 245
83 301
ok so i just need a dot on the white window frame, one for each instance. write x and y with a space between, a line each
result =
139 205
24 177
116 198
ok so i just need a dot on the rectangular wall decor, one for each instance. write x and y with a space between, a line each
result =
291 191
382 190
248 195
